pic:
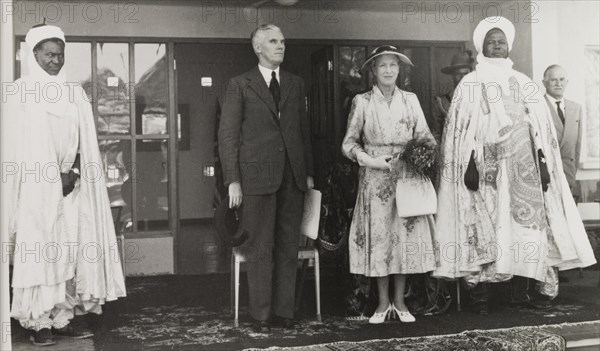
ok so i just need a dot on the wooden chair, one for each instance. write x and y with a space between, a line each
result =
305 253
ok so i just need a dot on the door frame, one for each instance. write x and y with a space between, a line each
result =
172 98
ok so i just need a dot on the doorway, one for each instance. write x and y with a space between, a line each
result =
203 71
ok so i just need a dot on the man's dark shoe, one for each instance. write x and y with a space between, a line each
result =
282 323
43 337
75 331
261 327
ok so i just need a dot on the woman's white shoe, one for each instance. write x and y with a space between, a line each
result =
405 317
378 318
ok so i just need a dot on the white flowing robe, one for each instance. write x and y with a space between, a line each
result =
57 238
482 240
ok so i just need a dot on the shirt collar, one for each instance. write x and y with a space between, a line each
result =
266 73
553 100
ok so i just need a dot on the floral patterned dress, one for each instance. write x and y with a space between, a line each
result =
380 242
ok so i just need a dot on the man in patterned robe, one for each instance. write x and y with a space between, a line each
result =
504 205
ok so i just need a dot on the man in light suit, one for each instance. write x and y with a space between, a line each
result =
266 155
567 118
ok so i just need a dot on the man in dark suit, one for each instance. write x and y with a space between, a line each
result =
266 155
567 118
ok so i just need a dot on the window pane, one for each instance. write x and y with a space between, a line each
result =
151 88
119 172
351 78
152 185
113 94
592 106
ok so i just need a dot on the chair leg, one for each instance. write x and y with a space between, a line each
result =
458 295
237 292
232 283
318 285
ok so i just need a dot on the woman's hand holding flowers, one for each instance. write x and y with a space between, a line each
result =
420 156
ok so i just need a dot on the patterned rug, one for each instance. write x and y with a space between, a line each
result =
192 313
513 339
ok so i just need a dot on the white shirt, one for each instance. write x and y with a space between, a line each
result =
554 101
266 73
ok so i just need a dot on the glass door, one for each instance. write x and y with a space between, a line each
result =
128 84
131 89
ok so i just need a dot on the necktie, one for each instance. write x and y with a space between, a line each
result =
561 115
275 91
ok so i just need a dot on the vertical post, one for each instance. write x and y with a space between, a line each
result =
7 58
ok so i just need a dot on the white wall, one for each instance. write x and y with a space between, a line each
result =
6 75
148 256
309 19
564 29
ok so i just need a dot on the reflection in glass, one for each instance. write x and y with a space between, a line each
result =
151 88
78 64
119 173
352 80
152 185
112 83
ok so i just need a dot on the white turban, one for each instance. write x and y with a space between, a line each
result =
490 23
41 33
36 75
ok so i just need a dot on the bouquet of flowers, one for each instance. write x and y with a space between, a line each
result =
420 155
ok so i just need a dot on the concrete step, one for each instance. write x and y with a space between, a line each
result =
584 336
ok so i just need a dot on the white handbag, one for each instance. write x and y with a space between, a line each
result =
415 197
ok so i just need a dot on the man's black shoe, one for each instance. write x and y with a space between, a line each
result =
239 238
75 330
43 337
282 323
261 327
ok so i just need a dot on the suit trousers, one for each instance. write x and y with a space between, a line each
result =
271 251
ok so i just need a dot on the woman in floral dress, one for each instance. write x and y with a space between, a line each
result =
382 244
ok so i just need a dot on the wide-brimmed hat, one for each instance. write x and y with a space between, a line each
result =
387 50
460 60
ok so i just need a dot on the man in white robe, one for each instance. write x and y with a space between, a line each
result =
504 205
65 259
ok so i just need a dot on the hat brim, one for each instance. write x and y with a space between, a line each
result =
450 69
404 60
225 221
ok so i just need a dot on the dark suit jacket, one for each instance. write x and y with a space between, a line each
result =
569 137
253 140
